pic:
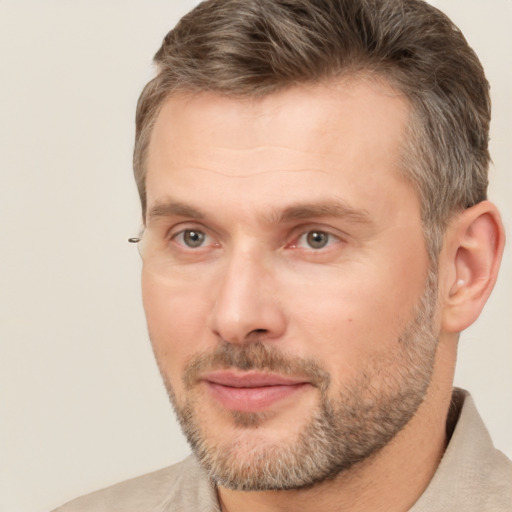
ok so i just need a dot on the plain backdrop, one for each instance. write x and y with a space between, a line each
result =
81 403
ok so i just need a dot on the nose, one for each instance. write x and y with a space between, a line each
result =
246 304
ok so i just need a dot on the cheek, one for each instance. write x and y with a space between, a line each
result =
357 316
176 320
343 325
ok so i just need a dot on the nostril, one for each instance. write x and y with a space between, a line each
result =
256 335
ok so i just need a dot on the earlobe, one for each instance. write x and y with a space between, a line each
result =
471 259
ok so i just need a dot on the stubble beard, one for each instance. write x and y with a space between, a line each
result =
342 431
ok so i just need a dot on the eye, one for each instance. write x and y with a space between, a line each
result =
191 238
315 239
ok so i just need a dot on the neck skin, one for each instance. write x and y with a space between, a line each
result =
392 480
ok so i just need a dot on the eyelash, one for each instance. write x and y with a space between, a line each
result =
181 234
329 239
295 244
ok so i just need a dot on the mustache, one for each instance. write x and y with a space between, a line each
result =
254 356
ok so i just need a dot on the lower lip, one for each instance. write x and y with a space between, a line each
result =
252 399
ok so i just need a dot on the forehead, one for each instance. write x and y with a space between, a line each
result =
341 136
330 114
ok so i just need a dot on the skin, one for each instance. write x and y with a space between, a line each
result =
243 165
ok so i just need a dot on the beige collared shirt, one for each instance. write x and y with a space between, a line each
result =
472 477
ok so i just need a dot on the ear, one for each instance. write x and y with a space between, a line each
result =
469 264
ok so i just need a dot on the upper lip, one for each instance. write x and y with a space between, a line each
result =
250 379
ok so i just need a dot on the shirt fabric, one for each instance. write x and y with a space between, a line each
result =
472 477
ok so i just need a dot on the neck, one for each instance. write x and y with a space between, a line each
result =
391 480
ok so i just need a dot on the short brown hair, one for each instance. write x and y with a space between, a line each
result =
245 48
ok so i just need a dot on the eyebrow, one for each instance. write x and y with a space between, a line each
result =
330 208
174 208
300 211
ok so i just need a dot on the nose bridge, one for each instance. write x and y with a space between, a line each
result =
246 299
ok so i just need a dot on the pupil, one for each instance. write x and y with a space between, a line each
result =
193 238
317 239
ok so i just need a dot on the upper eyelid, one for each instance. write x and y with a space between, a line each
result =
334 237
180 227
174 232
325 231
330 230
294 233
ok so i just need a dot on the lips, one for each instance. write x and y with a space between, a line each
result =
251 392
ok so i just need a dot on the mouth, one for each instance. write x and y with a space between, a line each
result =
251 391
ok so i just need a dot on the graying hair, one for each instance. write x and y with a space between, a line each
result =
248 48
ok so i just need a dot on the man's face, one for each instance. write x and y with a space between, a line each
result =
285 280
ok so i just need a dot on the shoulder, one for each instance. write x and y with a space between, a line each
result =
183 486
483 470
473 475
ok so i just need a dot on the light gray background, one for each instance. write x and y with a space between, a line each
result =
81 403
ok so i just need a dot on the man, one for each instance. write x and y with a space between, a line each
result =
316 235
